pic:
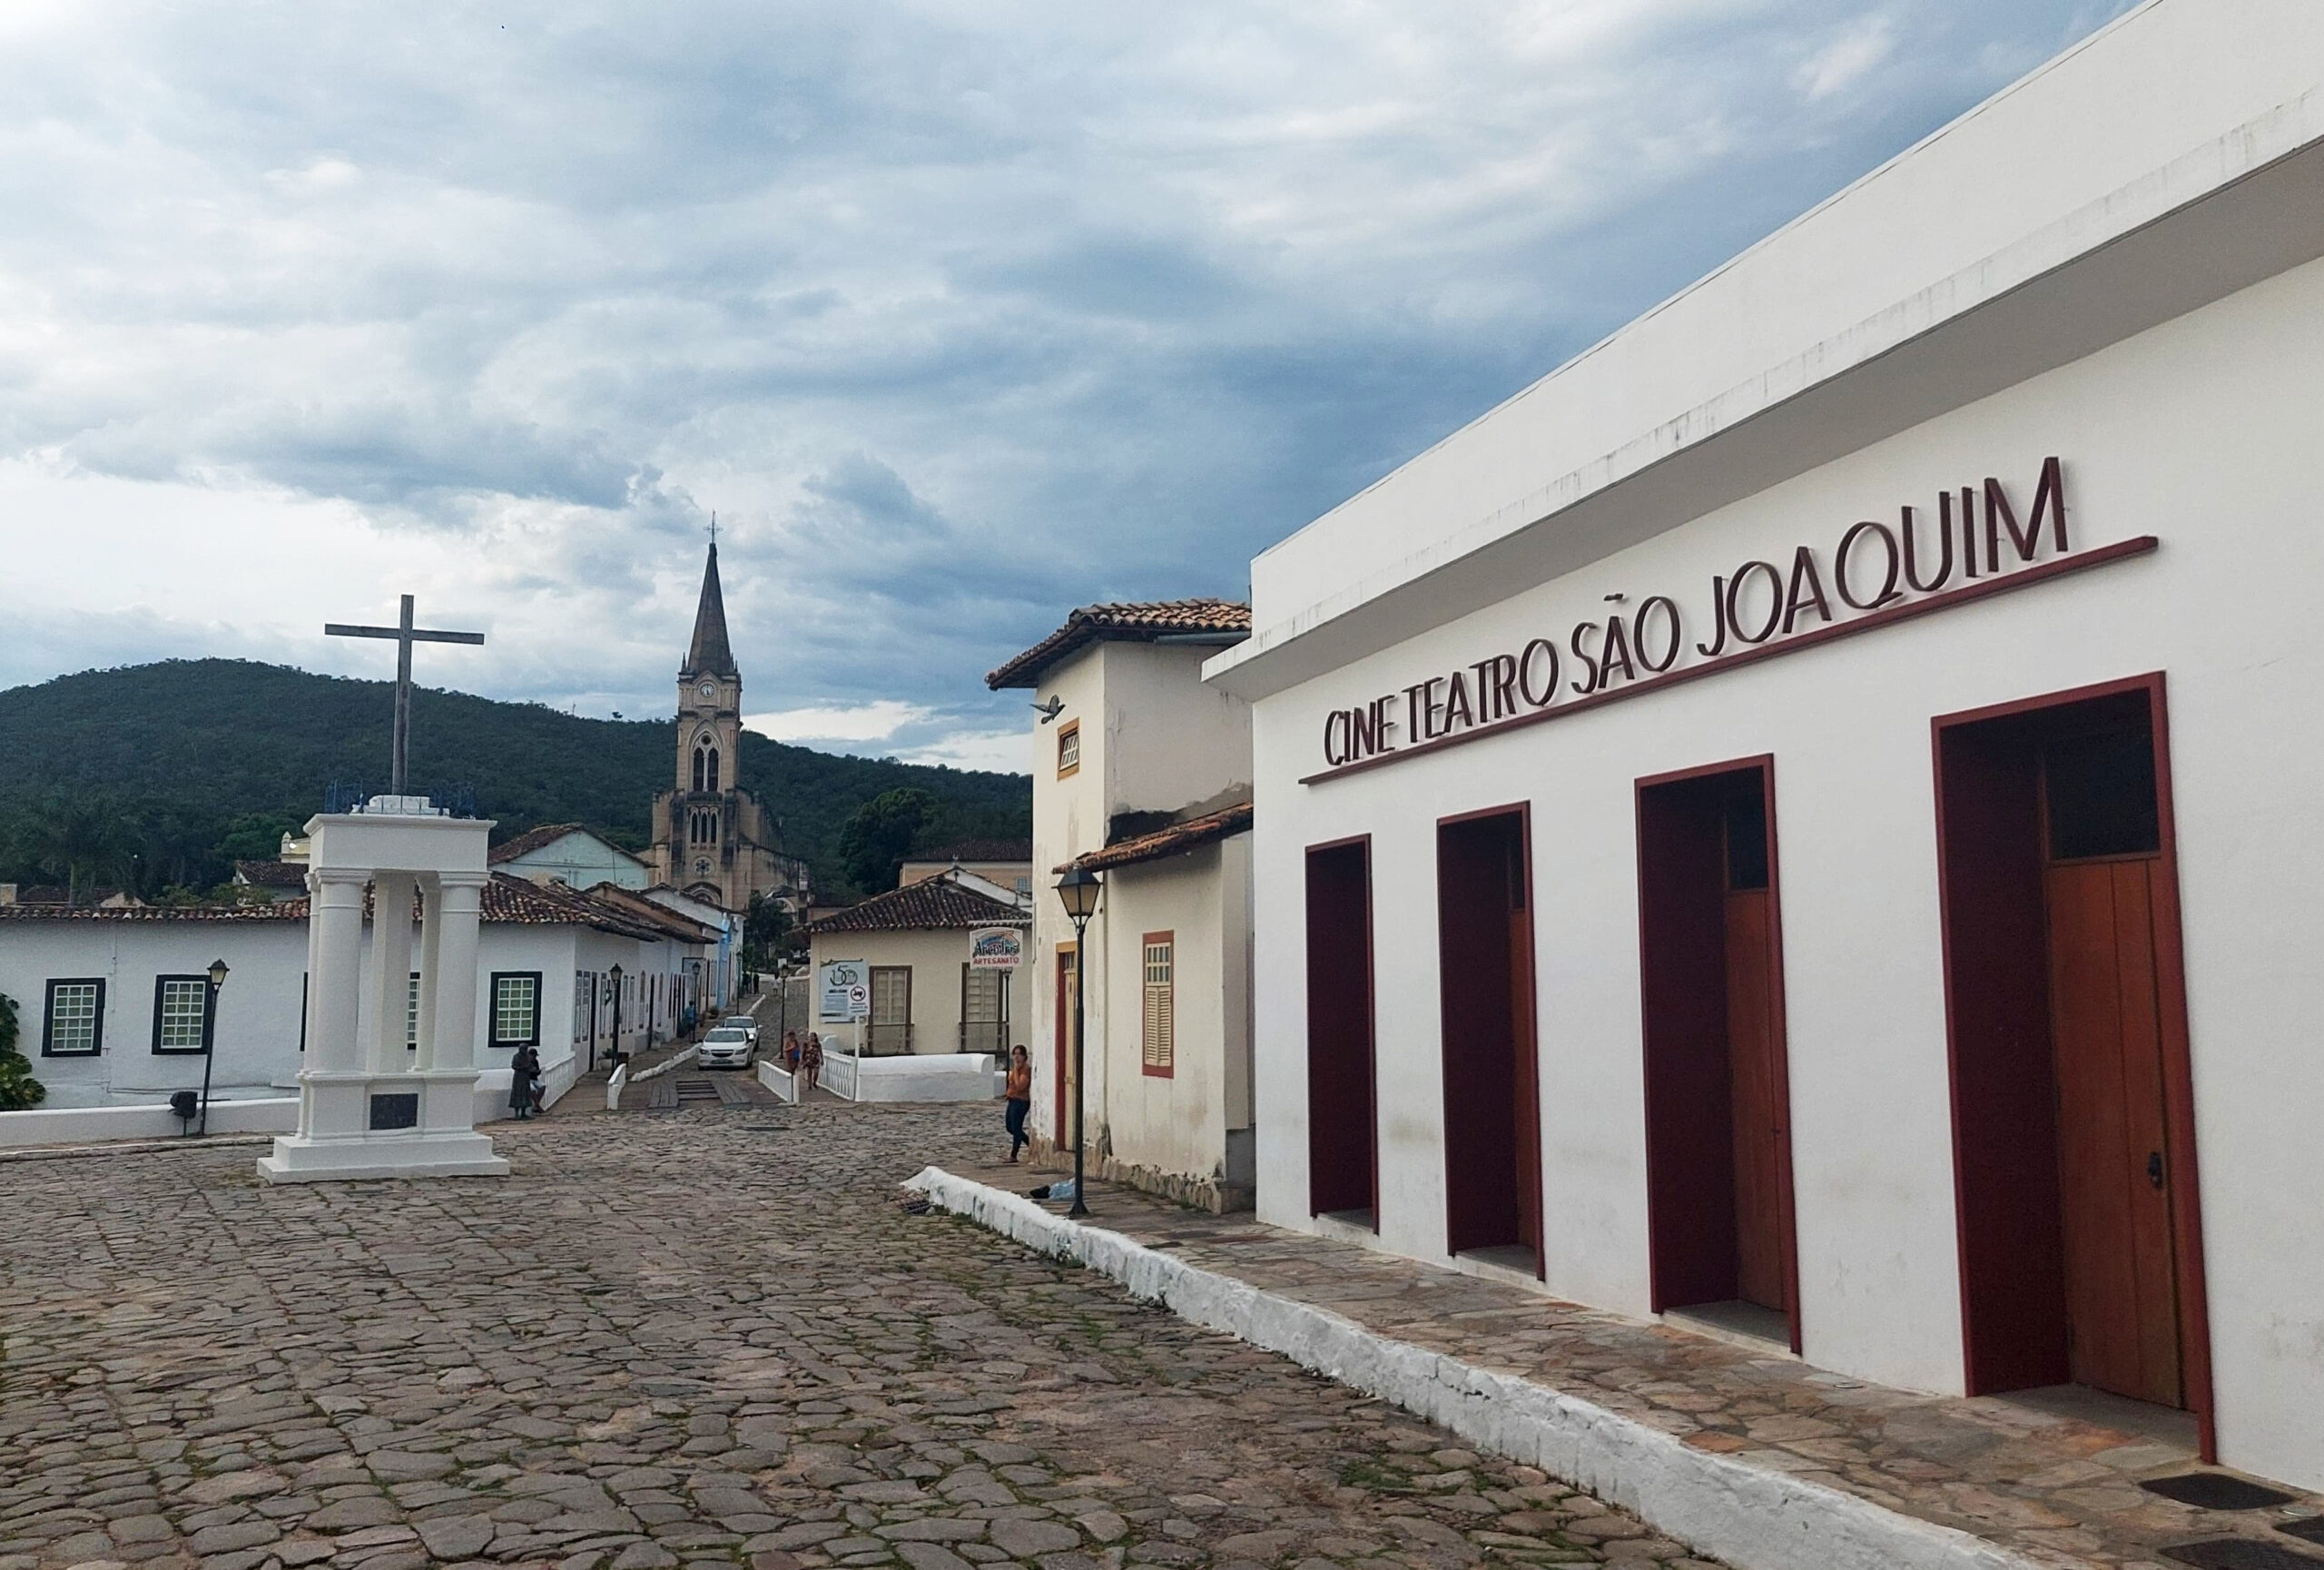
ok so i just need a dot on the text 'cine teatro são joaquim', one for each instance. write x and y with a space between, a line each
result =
1811 816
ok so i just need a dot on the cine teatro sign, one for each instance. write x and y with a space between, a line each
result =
1877 573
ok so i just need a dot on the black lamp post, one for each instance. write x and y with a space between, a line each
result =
210 1032
1077 890
615 1053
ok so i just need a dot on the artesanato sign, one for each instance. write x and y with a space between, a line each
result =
996 949
1877 574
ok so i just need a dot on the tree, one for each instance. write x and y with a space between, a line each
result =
256 836
18 1088
877 836
764 926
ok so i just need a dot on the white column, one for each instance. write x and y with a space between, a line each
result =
462 901
334 954
387 980
431 961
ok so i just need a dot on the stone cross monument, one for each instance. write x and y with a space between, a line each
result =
369 1104
388 1087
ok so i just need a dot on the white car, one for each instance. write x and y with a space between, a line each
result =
741 1022
728 1047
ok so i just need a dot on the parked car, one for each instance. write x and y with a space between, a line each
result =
728 1047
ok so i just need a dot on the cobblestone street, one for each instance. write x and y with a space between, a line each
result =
707 1335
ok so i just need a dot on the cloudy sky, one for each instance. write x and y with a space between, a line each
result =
957 315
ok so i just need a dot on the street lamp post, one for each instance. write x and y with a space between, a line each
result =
210 1032
1077 890
615 1053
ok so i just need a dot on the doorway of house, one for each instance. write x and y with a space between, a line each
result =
2073 1105
1067 959
1717 1098
1485 978
1343 1145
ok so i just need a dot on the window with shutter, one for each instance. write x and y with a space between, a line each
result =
1157 1032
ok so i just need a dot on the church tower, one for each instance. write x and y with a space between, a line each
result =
711 841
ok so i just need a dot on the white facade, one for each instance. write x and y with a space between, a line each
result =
259 1029
2114 264
1154 745
580 859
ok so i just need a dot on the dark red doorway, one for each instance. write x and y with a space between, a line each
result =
1485 980
1343 1152
1718 1086
2072 1093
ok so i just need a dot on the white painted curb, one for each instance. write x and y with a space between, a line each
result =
1753 1518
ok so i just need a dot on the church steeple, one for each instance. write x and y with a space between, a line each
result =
710 654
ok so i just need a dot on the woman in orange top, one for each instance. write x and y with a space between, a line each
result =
1019 1093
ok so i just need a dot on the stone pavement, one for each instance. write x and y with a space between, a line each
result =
2051 1478
708 1338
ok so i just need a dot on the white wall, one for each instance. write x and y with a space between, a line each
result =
257 1026
1177 1123
257 1031
582 860
2202 432
934 958
1153 738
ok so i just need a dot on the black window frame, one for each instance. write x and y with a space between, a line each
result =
48 1018
161 984
493 1040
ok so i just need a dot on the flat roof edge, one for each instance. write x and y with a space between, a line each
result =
2175 192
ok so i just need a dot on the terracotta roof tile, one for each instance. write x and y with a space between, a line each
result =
1167 842
1130 622
938 902
272 874
534 839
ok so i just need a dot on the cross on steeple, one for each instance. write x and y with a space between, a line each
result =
405 635
713 528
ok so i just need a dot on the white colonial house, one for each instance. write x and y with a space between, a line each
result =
570 854
1804 822
110 1000
1142 776
926 987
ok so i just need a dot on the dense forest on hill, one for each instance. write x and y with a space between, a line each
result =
162 776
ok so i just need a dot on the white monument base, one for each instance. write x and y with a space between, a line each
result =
408 1124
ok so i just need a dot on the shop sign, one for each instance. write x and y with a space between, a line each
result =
1875 574
996 949
842 991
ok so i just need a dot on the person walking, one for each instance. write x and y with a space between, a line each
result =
1019 1093
810 1063
791 1052
524 1080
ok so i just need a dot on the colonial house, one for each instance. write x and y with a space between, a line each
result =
110 1000
1142 776
939 966
1007 863
1802 823
570 854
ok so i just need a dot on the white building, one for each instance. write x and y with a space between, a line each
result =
1143 776
1937 1001
569 853
913 949
109 999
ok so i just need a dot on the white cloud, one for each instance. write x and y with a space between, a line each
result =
874 721
957 315
1861 48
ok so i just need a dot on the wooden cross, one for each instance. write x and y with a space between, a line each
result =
405 635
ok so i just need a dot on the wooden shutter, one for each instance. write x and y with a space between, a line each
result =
1157 1025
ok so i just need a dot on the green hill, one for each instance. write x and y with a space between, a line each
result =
186 765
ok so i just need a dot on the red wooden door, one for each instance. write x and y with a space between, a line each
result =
2113 1169
1527 1078
1755 1105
